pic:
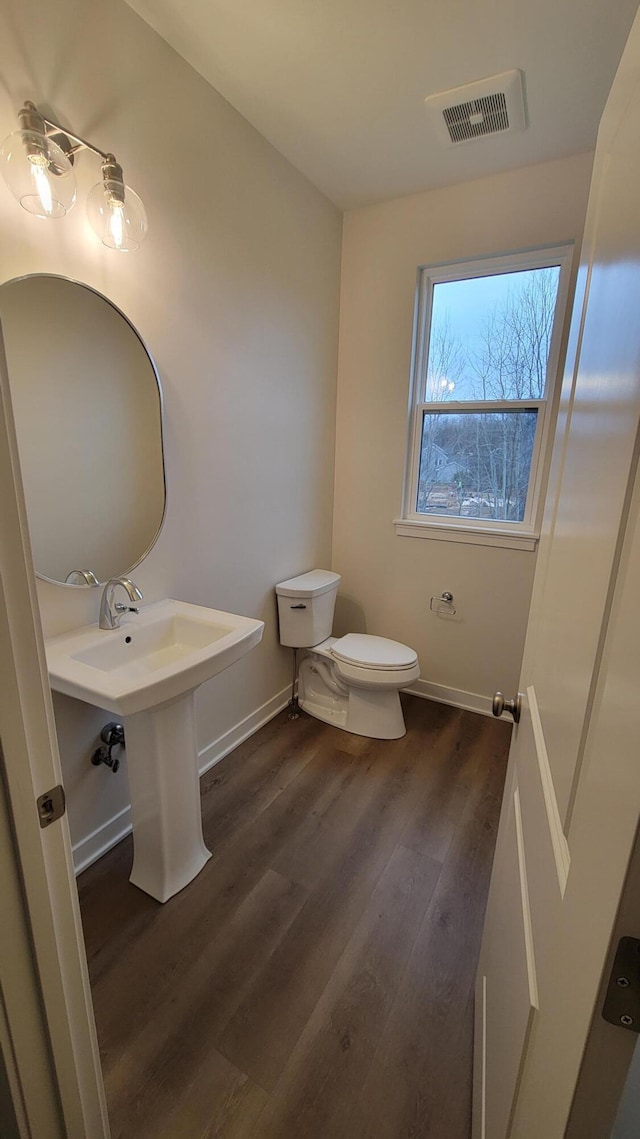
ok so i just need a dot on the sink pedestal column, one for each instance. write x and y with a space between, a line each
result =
162 762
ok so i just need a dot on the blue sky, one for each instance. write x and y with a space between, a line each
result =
466 305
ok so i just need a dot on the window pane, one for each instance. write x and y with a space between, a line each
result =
476 464
490 336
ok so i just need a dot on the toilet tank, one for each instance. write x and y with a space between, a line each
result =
305 608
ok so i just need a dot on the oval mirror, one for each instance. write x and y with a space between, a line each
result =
88 412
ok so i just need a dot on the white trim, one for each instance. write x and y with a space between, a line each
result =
489 265
561 852
532 978
23 1045
217 749
89 849
483 1075
47 887
13 1113
109 834
478 536
456 697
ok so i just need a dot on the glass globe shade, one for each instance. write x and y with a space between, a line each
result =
38 173
121 226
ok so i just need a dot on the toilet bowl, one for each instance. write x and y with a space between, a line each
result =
352 682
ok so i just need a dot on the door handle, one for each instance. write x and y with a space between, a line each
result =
513 707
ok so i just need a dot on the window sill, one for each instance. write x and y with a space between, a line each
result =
471 535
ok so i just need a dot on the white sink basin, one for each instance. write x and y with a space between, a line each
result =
147 672
167 649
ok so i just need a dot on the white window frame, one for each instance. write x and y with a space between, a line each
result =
516 535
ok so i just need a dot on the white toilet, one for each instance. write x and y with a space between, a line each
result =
352 682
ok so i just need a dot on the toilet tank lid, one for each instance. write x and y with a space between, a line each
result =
310 584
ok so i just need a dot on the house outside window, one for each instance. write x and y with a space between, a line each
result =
485 362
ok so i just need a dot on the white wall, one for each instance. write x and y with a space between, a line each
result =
236 294
388 579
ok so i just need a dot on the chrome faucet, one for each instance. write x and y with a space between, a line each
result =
110 611
86 576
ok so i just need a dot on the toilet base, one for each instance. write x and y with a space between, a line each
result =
376 713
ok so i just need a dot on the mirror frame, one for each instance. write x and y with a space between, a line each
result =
90 288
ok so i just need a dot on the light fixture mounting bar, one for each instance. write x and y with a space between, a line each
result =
81 143
29 115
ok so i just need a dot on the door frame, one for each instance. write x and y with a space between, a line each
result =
47 1008
609 1049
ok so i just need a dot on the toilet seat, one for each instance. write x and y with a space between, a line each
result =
364 651
392 679
364 661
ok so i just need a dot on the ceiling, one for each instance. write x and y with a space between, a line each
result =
338 86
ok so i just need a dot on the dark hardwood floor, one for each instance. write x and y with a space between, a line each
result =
316 980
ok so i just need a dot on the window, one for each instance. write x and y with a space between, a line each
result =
486 353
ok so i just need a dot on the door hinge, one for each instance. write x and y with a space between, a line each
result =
622 999
51 805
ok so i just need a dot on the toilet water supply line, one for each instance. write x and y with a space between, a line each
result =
294 707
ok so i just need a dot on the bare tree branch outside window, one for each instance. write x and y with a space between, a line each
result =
477 463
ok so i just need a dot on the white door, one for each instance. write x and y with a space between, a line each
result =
47 1035
572 798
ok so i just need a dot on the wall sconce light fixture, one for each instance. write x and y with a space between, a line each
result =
37 165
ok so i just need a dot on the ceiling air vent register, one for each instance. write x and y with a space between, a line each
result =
490 106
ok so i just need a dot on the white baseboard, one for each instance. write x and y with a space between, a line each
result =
457 697
217 750
89 849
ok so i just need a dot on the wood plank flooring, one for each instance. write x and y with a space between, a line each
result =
316 980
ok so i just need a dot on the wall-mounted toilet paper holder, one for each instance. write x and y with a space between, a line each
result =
446 599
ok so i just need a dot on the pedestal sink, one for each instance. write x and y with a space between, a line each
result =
147 672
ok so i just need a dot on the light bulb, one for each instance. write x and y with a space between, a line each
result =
38 173
115 211
42 187
116 224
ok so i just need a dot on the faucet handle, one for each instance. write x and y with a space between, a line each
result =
120 608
